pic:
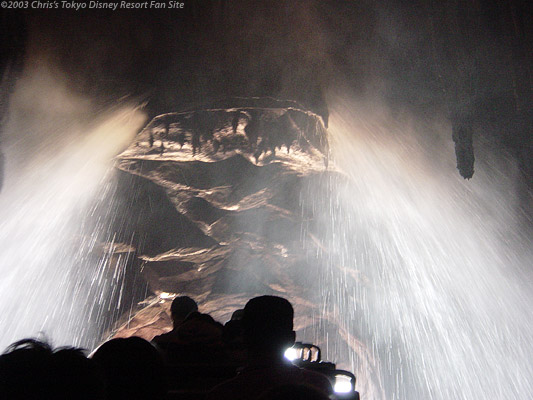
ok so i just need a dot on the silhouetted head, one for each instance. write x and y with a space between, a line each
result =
181 307
237 315
267 323
234 341
30 369
79 377
233 328
133 369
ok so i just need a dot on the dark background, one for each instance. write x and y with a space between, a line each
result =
471 60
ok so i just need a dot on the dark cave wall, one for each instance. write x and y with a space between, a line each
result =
470 61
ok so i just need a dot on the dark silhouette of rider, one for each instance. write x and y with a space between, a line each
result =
31 369
181 307
133 369
267 324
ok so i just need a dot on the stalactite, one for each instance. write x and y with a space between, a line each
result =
464 148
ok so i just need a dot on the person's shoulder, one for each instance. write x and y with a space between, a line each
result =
165 337
317 380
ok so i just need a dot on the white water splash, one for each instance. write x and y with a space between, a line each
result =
59 154
446 286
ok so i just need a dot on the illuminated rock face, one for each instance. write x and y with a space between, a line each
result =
214 205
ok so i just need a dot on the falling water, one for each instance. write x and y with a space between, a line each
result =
56 280
443 282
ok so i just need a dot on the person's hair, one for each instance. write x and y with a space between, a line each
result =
182 306
267 322
237 315
133 369
32 369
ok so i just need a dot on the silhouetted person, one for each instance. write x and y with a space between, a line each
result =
267 324
78 377
233 339
199 328
30 369
133 369
151 139
197 340
180 308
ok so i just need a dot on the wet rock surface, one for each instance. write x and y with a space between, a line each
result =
214 209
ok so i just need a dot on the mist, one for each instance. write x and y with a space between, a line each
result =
59 151
442 265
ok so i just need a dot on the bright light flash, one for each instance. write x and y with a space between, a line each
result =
291 354
343 384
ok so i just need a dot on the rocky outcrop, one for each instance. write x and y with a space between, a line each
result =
211 202
217 198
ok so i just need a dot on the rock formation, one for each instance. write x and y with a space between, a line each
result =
211 206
